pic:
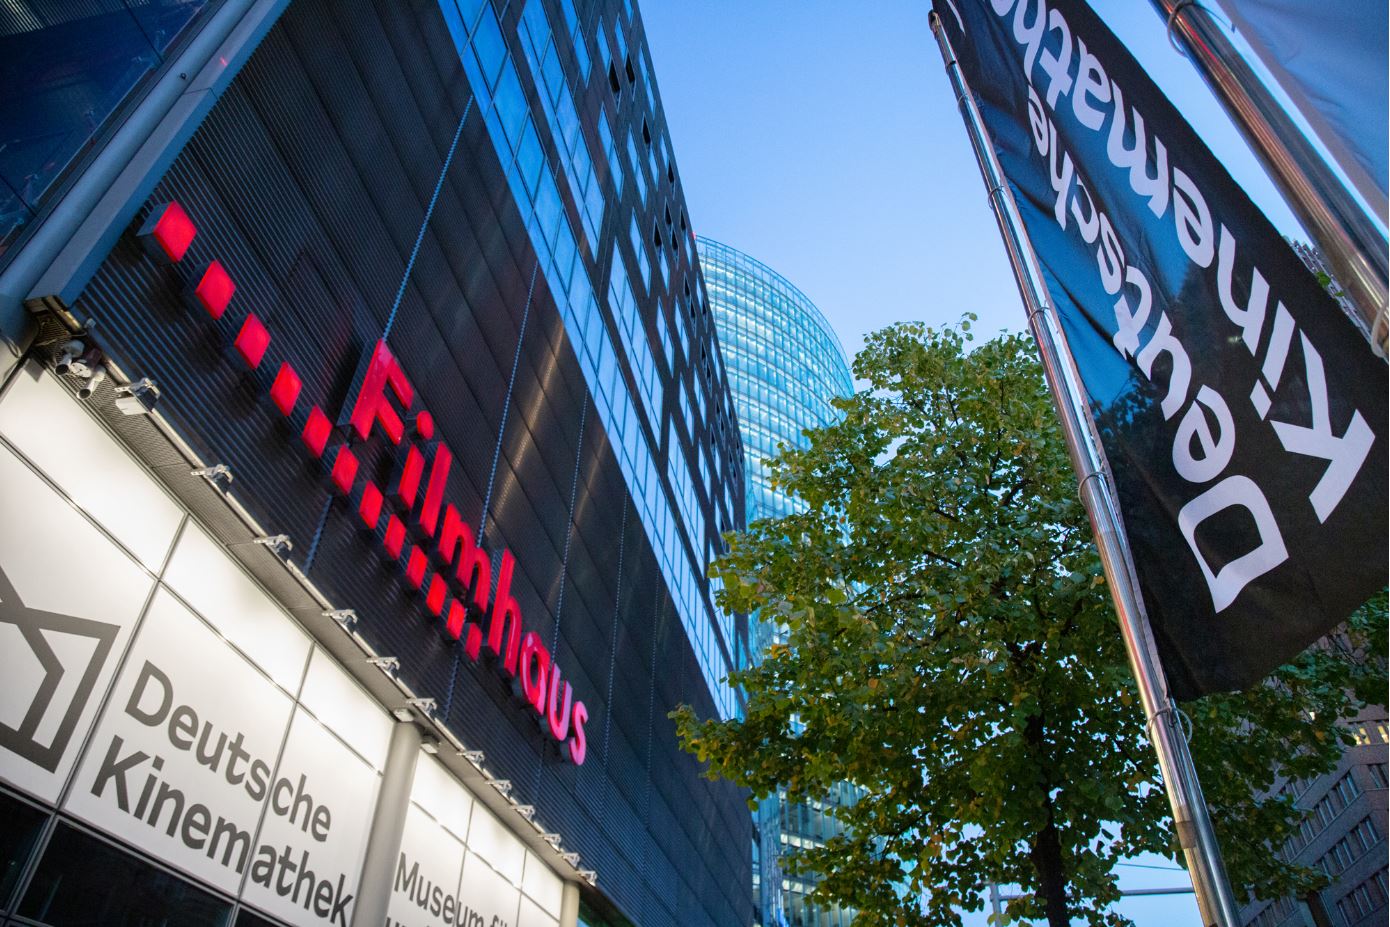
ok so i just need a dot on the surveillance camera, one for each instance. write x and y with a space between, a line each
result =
93 381
69 355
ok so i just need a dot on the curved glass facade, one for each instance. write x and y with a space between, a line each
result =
784 365
783 359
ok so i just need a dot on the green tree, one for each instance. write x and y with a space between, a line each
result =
951 650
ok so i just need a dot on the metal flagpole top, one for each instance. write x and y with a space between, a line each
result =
1191 819
1344 233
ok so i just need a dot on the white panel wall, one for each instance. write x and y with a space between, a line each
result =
151 689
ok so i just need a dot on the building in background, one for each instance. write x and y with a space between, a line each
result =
1343 834
785 364
364 440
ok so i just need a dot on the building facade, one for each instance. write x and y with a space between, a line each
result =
785 364
1343 834
364 439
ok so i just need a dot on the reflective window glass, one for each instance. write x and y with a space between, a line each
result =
511 104
64 69
246 918
20 824
489 46
82 880
469 10
530 157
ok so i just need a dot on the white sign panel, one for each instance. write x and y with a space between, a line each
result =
532 915
315 832
69 599
58 436
425 890
486 897
335 699
491 840
544 887
184 757
207 578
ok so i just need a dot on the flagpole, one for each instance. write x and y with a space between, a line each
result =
1353 246
1190 817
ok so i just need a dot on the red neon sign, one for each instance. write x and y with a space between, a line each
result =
447 564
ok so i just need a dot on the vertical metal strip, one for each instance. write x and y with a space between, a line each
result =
1191 819
425 222
507 405
565 565
613 648
569 529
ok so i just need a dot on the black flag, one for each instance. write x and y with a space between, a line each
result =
1242 413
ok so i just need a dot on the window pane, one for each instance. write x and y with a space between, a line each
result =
247 918
83 881
490 47
511 105
19 828
59 81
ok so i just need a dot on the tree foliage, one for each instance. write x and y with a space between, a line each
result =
952 651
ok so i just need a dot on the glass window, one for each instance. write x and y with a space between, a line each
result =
470 9
639 252
20 824
549 209
582 55
246 918
564 254
64 70
637 177
534 26
530 157
551 72
569 126
511 104
603 51
458 27
620 43
82 880
489 46
610 150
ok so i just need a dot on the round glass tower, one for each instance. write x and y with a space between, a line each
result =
783 360
784 365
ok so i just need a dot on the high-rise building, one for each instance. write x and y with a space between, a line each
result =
364 440
784 364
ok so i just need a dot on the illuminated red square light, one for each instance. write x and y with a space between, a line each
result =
344 470
395 537
415 567
316 432
457 616
284 392
167 233
369 508
434 600
473 641
214 290
252 341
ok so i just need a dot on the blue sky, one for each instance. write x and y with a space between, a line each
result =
821 137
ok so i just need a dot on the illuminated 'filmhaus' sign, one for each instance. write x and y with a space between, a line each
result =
448 567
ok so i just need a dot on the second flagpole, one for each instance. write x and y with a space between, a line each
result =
1190 817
